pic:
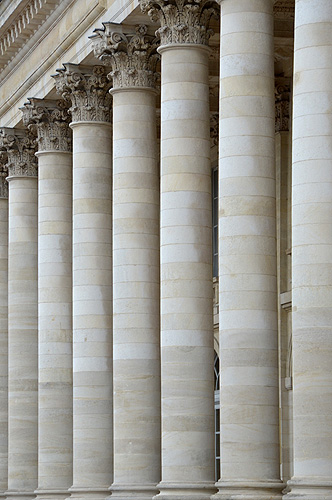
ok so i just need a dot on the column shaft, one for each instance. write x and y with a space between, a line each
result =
3 344
312 251
55 323
92 308
22 337
136 370
186 275
247 254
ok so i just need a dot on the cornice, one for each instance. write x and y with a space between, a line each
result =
84 22
21 21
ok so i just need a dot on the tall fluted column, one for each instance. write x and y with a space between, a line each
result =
22 313
87 89
136 369
55 419
3 325
187 397
312 252
249 425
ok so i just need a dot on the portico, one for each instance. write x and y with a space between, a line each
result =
155 139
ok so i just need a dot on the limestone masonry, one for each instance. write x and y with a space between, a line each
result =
166 249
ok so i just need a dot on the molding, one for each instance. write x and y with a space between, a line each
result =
286 301
42 70
23 22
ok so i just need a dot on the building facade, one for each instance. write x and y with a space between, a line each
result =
166 249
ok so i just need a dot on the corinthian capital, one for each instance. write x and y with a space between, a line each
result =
132 56
214 128
182 21
20 146
51 119
86 88
3 175
282 104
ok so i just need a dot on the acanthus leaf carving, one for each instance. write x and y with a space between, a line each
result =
86 88
51 121
282 104
214 128
3 175
132 56
20 146
182 21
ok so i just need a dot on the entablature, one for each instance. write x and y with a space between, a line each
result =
21 19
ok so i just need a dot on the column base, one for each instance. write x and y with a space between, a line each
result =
249 490
133 491
184 491
20 495
56 494
308 489
88 493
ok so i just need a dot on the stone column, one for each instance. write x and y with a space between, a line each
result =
187 399
136 363
55 419
87 89
283 154
248 340
3 325
312 252
22 313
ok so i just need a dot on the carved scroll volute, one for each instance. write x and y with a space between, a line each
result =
86 88
51 121
132 56
20 146
182 21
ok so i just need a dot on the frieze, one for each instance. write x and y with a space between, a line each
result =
20 146
50 120
132 56
86 88
182 21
